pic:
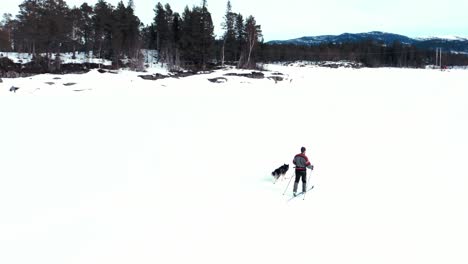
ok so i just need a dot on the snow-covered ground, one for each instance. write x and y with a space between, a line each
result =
80 57
116 169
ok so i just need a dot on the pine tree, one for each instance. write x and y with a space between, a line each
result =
102 24
177 35
187 37
253 34
207 35
76 35
162 27
6 29
119 32
240 38
86 26
29 20
55 24
134 34
229 37
196 38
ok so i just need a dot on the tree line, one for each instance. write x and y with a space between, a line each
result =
370 53
188 40
51 27
184 40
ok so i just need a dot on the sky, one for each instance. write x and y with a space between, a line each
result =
311 17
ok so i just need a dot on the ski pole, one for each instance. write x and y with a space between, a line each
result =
288 184
308 178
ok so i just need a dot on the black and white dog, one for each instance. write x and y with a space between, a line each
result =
279 172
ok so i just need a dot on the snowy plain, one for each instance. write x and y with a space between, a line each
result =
117 169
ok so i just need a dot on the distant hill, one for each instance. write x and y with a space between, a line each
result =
453 44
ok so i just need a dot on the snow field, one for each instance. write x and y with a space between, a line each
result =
178 170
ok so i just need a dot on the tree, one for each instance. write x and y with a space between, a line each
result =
55 25
102 26
207 35
125 33
29 20
240 37
86 26
149 36
253 36
162 27
229 37
191 38
133 34
177 36
6 28
77 33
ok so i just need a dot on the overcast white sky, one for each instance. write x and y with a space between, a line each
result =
297 18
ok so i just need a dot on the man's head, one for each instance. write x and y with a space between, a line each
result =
303 149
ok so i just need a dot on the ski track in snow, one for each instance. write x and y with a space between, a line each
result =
178 170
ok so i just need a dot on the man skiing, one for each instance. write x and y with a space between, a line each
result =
302 162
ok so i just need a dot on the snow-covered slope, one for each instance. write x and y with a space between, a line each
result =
447 37
447 43
387 38
178 170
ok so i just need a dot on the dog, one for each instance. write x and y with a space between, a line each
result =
281 171
14 89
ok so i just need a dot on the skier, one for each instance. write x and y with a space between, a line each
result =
302 162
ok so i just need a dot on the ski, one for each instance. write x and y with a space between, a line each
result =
301 193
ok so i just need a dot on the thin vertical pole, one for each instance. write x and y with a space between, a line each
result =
288 184
440 58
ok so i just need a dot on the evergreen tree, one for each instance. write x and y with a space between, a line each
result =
29 20
228 50
125 33
119 32
102 25
187 38
162 27
55 24
207 35
134 34
86 26
76 37
6 30
177 35
149 37
253 36
240 37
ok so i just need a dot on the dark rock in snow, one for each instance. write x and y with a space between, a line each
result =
154 77
107 71
69 84
253 75
49 83
81 90
276 78
257 75
182 74
218 80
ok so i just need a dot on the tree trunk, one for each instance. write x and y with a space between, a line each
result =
250 52
222 53
74 50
